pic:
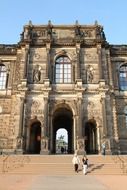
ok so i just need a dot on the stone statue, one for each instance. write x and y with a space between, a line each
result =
49 28
89 74
44 144
80 145
36 74
22 36
19 143
103 34
100 33
77 29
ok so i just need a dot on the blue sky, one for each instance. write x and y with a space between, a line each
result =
112 14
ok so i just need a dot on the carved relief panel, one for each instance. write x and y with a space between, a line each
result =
38 55
92 109
34 107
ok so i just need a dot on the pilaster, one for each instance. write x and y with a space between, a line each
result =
104 117
27 57
100 61
78 60
46 117
115 120
110 69
19 146
48 59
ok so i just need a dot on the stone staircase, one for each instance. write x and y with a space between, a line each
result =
61 165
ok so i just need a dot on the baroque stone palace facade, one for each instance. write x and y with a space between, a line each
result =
63 76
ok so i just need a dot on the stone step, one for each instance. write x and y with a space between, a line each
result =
59 165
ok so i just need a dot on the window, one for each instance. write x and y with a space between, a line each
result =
125 112
123 77
63 70
3 76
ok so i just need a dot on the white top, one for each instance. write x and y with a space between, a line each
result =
76 160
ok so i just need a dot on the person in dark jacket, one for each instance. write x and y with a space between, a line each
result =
85 164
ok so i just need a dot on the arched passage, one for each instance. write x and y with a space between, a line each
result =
63 118
35 138
90 137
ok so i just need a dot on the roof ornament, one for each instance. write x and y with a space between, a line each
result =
49 28
76 23
77 28
30 23
96 22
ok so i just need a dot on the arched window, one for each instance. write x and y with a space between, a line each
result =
123 77
63 70
3 76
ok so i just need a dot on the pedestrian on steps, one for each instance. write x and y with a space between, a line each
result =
85 164
76 162
103 148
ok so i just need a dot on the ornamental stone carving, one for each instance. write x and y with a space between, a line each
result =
91 56
88 33
34 107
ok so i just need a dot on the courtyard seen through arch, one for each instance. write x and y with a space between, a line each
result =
61 141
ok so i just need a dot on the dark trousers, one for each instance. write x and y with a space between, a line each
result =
76 167
103 151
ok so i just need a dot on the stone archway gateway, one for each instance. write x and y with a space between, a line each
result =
91 146
63 118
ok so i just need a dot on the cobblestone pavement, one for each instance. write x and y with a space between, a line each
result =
84 182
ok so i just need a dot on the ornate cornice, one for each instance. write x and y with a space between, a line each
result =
117 50
65 35
8 49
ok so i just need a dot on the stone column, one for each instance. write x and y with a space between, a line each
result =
21 125
109 67
74 132
51 135
104 117
100 61
98 139
24 129
48 59
46 116
79 124
21 117
78 61
115 124
27 56
27 138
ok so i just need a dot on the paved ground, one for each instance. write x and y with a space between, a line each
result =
76 182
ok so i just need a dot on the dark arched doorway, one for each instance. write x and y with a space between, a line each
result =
62 118
91 137
35 138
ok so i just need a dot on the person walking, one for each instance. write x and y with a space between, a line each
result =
76 162
103 148
85 164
